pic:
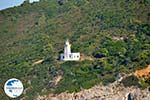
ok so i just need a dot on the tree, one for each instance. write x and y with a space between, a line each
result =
102 52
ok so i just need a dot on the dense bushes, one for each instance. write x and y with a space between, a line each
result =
131 80
102 52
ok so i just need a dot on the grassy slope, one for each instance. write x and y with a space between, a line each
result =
35 31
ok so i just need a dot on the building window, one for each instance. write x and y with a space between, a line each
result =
70 56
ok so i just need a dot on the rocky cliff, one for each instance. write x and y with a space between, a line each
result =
114 91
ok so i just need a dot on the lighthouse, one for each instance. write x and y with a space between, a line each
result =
67 49
68 55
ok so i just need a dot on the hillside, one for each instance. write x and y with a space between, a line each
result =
115 33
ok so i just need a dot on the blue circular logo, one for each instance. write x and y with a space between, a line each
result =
13 88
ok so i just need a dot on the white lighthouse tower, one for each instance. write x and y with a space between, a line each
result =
67 55
67 49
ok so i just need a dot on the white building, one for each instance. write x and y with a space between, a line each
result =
67 55
31 1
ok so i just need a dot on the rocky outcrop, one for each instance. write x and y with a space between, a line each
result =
143 73
114 91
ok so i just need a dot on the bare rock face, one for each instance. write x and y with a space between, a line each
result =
111 92
143 73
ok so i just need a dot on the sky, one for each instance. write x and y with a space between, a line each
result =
11 3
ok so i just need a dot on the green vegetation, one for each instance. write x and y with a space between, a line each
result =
115 32
134 81
131 80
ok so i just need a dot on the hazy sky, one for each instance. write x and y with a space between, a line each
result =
11 3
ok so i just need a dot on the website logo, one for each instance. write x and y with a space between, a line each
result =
13 88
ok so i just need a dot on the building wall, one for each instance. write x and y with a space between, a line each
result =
70 57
